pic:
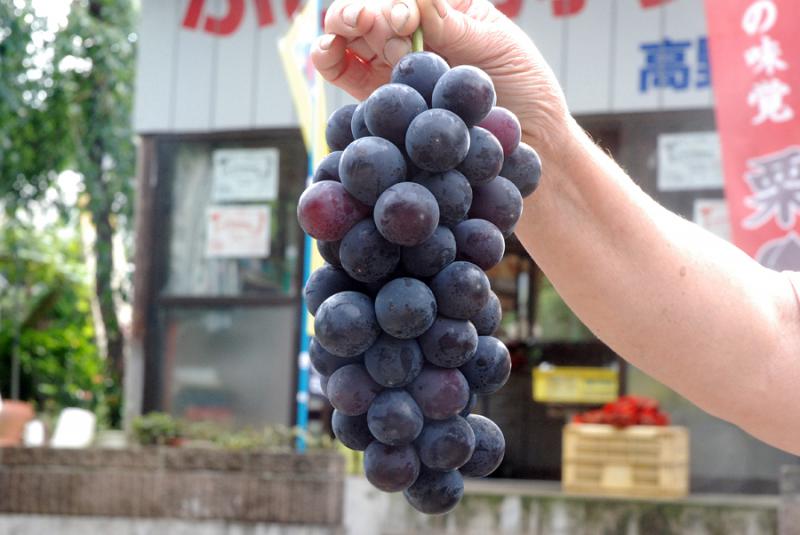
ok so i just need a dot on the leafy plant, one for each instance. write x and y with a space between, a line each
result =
46 320
155 429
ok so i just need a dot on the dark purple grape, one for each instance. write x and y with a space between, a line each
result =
369 166
524 168
490 447
484 159
488 319
323 384
431 256
326 211
329 251
466 91
394 418
325 282
440 392
405 308
498 202
435 492
479 242
390 109
406 214
352 431
473 402
324 362
446 444
337 132
420 70
437 140
461 290
357 126
391 468
366 255
452 192
488 370
345 324
392 362
449 343
328 168
351 390
505 126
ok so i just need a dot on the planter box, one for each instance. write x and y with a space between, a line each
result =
641 460
197 484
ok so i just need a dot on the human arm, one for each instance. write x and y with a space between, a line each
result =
682 305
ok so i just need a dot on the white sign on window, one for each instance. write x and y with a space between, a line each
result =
689 161
712 215
245 175
238 232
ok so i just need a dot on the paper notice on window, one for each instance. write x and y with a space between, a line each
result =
238 232
712 215
689 161
245 175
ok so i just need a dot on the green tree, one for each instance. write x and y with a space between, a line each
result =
100 34
46 322
65 103
32 108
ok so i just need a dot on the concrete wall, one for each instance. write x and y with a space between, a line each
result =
490 507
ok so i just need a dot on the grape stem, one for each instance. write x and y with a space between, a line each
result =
416 41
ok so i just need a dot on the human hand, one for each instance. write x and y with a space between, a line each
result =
364 39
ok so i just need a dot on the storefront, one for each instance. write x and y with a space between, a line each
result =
219 253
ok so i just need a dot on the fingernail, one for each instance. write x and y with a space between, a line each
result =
350 14
399 16
395 48
325 42
441 7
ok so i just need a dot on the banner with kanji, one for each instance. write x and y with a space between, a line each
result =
755 64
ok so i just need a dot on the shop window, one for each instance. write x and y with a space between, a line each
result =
235 238
228 365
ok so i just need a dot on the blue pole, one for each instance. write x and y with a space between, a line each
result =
303 361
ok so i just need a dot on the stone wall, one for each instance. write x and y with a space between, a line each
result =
500 508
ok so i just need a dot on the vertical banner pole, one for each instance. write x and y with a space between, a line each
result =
303 361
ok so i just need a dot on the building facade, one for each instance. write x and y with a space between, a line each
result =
222 163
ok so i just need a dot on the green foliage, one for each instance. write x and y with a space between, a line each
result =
155 429
65 103
45 302
158 428
33 132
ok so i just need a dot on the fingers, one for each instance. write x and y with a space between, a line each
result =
349 18
343 68
328 56
443 24
402 15
385 42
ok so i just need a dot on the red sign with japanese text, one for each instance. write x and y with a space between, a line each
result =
234 12
755 63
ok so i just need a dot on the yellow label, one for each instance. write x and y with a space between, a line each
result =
574 384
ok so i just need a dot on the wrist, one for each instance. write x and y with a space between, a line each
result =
560 143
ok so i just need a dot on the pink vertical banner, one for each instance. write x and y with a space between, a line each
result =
755 65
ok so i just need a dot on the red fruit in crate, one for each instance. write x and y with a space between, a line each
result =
326 211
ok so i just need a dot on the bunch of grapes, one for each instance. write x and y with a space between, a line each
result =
424 183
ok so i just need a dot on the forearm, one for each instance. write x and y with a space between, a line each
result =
687 308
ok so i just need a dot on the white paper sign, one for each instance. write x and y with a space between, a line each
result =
712 215
238 232
689 161
245 175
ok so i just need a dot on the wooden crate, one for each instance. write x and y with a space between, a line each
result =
645 461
